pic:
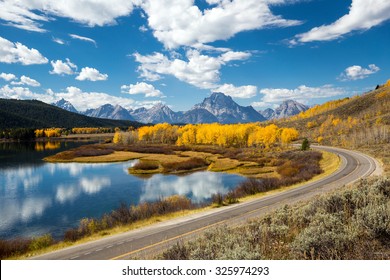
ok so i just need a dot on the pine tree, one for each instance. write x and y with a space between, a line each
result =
305 145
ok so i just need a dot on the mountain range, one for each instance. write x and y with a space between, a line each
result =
216 108
287 109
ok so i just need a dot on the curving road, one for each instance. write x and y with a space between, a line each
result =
144 243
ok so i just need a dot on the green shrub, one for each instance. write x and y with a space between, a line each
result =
41 242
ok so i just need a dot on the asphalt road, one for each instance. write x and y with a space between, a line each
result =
144 243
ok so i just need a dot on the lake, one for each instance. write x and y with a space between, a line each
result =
37 197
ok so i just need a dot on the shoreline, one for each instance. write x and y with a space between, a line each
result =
213 162
329 163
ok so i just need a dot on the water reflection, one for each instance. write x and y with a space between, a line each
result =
17 154
15 177
13 212
73 169
198 186
43 146
32 198
54 197
89 186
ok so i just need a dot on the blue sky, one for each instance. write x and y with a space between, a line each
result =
141 52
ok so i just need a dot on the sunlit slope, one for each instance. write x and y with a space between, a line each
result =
350 122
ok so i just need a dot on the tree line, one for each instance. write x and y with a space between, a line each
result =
26 134
224 135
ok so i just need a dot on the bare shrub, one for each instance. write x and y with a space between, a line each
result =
186 165
217 199
177 252
146 165
9 248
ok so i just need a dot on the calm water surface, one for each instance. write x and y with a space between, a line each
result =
38 197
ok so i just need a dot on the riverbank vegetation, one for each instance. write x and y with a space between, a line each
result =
246 149
352 223
127 215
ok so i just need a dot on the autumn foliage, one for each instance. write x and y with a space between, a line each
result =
230 135
90 130
319 109
48 132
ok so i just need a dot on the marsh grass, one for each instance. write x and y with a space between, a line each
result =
294 167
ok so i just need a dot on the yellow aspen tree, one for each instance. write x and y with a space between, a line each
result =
288 135
117 137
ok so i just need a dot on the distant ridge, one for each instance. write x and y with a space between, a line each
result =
109 111
227 111
36 114
159 113
288 108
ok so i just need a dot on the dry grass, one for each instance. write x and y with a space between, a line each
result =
352 223
224 164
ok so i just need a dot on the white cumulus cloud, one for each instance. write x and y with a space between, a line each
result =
24 80
175 23
239 92
363 15
142 88
18 53
29 15
11 92
357 72
178 23
7 76
63 68
20 15
202 71
91 74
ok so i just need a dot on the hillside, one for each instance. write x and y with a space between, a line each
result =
36 114
361 122
368 107
345 118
